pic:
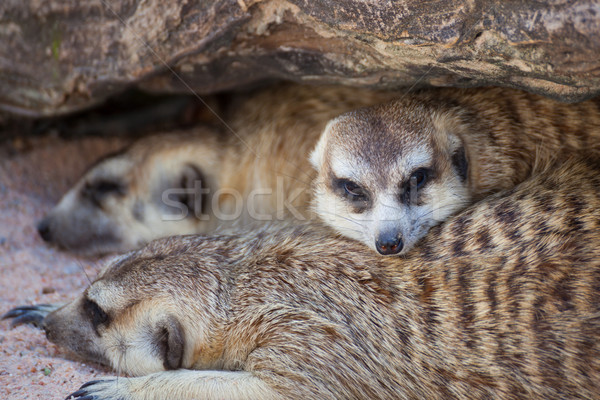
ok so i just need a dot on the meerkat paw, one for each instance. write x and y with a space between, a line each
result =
32 315
179 384
113 389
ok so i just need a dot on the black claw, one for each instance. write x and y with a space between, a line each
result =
17 311
32 318
83 392
78 393
90 383
77 396
29 314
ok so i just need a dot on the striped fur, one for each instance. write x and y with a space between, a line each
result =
501 301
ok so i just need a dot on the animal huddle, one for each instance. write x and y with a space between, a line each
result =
437 245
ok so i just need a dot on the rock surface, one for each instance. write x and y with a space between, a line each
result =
62 55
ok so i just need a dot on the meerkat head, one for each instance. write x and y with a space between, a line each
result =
387 174
144 313
158 187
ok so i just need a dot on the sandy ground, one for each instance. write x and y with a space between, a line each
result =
33 176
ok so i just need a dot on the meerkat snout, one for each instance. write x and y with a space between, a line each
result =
389 243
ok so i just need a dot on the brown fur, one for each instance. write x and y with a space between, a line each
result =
256 169
275 130
501 301
511 133
506 135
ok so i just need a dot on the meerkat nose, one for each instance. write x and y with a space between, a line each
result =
43 229
388 243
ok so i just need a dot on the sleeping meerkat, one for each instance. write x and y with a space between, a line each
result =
157 187
198 180
502 302
388 173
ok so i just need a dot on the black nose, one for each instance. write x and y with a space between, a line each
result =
44 230
389 244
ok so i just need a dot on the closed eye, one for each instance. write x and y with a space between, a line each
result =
97 190
96 315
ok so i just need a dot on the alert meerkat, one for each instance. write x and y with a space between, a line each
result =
501 302
388 173
199 180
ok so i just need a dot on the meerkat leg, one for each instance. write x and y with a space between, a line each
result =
179 384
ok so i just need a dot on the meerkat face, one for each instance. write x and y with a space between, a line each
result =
124 202
389 173
131 335
143 315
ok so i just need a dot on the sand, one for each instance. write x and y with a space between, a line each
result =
33 176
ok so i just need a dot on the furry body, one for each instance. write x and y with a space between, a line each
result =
388 173
501 301
199 180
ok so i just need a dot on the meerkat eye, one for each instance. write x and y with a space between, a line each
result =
95 313
419 178
353 190
409 189
107 187
96 191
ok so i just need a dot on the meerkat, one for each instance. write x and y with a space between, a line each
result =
253 169
388 173
501 302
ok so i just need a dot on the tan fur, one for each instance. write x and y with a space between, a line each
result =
505 133
276 129
118 204
258 171
502 301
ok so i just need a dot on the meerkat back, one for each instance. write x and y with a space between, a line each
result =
501 301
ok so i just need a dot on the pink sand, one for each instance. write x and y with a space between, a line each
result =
33 176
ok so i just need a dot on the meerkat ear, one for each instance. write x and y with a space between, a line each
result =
447 128
170 342
460 163
458 156
316 156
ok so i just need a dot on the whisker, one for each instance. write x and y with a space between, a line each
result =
82 267
120 366
347 219
433 211
79 263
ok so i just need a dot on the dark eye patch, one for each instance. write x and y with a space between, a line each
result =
96 315
353 192
107 187
417 180
195 196
96 191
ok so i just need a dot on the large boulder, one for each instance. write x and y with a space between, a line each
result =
61 55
